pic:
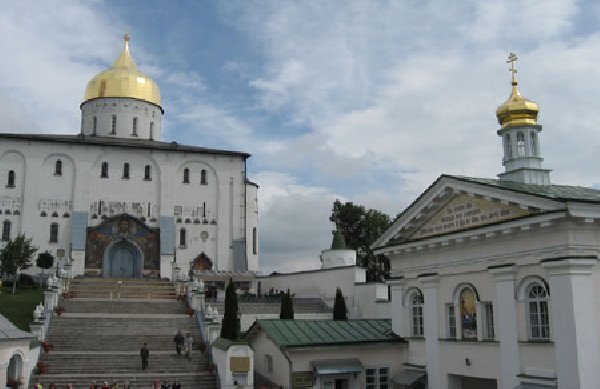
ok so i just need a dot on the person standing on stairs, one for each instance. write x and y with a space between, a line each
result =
179 341
145 354
189 342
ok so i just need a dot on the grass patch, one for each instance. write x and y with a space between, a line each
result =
19 307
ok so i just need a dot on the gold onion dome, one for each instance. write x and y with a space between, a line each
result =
123 79
517 110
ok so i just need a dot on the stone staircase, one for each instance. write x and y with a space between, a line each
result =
98 338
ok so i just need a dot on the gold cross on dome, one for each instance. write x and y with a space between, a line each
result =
512 58
126 37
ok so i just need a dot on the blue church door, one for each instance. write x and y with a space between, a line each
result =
123 261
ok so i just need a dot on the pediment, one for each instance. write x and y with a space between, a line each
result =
451 205
463 212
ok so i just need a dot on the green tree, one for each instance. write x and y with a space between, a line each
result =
16 255
361 227
44 261
229 325
340 312
287 306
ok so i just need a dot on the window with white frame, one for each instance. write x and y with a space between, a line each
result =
416 313
538 317
6 230
377 377
451 321
269 363
54 233
488 320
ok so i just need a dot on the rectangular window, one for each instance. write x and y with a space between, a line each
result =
6 231
182 236
147 173
269 363
488 317
451 321
126 170
377 377
104 170
54 233
134 129
113 126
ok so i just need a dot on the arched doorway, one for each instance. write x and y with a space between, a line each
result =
15 369
123 260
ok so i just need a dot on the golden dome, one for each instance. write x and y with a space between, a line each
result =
123 79
517 110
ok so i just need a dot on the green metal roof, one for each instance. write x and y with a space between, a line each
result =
554 192
325 332
339 242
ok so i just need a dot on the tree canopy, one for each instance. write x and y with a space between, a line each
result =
340 312
361 227
287 306
16 255
44 261
229 324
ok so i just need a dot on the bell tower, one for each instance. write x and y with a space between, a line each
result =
520 136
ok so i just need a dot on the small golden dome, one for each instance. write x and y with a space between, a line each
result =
517 110
123 79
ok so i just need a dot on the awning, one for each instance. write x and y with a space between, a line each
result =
337 366
408 377
527 385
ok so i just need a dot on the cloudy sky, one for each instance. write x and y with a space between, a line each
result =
363 100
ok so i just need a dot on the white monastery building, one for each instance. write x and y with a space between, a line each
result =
117 200
496 281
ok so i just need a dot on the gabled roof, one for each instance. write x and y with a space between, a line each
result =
9 331
534 200
120 142
554 192
326 332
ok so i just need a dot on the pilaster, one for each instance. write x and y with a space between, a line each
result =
431 329
397 287
3 371
574 322
506 325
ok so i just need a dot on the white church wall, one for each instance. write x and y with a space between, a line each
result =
316 284
252 238
371 301
80 187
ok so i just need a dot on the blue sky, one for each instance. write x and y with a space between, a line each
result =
366 101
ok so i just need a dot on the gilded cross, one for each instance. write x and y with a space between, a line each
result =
512 58
126 37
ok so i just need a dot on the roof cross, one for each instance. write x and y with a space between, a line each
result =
512 58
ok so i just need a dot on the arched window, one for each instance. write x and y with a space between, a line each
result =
134 127
58 168
416 314
53 232
104 170
126 170
468 313
6 230
203 177
254 242
11 179
182 237
186 176
534 146
520 144
113 125
151 130
508 147
94 125
147 173
538 317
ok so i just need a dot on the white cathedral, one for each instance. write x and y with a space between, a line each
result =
116 201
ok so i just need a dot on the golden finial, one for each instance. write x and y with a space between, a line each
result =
517 110
512 58
126 37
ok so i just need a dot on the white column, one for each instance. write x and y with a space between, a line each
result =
3 373
435 377
506 325
574 322
397 288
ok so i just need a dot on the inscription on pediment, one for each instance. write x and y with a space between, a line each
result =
463 212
